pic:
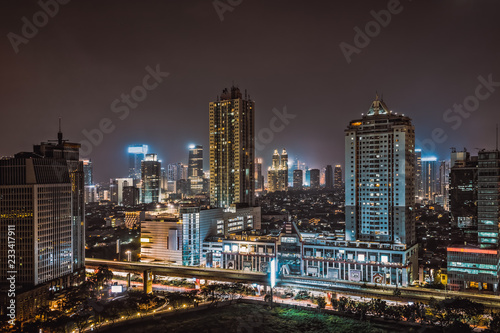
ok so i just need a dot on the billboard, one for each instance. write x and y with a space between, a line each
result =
116 289
355 275
377 277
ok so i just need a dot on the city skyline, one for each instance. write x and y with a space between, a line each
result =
445 76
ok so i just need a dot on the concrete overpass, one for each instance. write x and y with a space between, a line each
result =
301 282
181 271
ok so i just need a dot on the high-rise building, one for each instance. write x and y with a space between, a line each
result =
431 186
463 193
329 177
232 137
42 209
488 199
117 185
259 178
130 196
136 153
419 185
380 194
277 174
88 172
337 178
174 171
151 174
195 169
380 164
314 178
478 266
62 149
298 179
36 205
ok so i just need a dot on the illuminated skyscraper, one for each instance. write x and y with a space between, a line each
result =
419 186
88 172
380 162
337 178
137 153
298 179
62 149
431 186
195 169
277 174
488 198
151 174
232 149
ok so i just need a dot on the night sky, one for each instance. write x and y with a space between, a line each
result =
285 53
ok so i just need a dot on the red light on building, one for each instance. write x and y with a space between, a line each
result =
457 249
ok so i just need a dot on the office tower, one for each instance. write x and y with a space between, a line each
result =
419 185
88 172
488 198
195 169
36 201
62 149
151 173
380 162
298 179
314 178
116 188
232 139
329 177
259 178
91 194
130 196
307 180
277 174
136 153
442 197
430 179
463 193
196 226
174 171
337 178
478 266
113 192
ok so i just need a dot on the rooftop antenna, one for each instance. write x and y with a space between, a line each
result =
59 134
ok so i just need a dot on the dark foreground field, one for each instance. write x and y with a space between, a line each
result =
253 318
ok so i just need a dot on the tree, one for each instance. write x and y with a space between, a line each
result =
321 302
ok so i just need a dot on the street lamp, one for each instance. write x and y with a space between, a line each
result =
129 255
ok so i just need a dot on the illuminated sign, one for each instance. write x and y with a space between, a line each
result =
138 149
116 289
273 273
457 249
144 240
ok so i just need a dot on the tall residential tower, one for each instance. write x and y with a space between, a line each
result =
232 135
